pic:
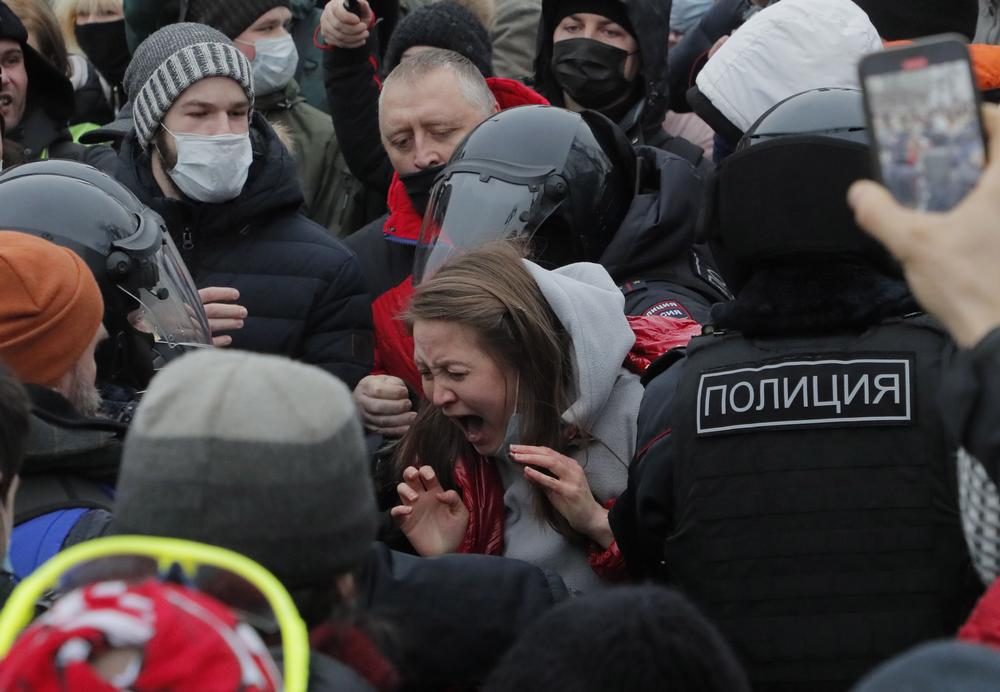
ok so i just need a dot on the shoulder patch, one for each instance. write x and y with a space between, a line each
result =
798 393
668 308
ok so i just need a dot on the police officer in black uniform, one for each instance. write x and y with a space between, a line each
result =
793 476
575 185
152 313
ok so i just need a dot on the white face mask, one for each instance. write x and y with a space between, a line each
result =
275 64
211 168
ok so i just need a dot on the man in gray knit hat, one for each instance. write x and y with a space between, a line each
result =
227 188
265 457
253 453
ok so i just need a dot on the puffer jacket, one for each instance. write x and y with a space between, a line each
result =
385 249
651 21
334 198
303 290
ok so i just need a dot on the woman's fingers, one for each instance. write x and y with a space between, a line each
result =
400 511
546 481
429 480
407 494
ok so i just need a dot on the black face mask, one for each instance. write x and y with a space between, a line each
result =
418 186
590 72
104 44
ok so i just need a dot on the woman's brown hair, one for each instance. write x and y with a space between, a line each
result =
43 27
490 291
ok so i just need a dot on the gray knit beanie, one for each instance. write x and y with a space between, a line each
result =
231 17
172 59
254 453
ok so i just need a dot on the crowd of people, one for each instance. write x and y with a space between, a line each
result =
490 344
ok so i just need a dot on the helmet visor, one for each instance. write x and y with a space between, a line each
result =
171 310
467 212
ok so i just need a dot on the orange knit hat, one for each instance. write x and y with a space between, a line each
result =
50 307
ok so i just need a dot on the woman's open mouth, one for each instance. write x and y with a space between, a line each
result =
472 426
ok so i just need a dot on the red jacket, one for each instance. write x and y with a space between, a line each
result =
393 343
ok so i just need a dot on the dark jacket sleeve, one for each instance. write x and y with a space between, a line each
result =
352 89
338 333
454 615
970 401
686 59
642 517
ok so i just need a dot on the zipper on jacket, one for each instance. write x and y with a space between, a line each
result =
187 240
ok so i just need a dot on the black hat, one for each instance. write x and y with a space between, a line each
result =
442 25
627 638
897 20
231 17
46 84
612 9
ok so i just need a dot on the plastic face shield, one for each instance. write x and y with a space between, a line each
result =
470 208
171 310
252 593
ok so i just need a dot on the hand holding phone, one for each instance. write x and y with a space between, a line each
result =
923 112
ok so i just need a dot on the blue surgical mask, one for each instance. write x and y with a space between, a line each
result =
274 64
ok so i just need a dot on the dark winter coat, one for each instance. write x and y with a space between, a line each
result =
643 123
385 248
303 290
334 198
453 616
92 105
351 76
653 255
69 469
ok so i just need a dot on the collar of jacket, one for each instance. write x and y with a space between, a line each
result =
61 439
403 223
37 133
280 100
814 298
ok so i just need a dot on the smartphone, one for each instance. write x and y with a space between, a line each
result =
922 106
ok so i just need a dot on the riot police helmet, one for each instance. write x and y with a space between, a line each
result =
564 180
152 309
781 197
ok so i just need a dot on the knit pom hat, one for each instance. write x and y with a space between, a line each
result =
897 20
231 17
442 25
50 308
172 59
254 453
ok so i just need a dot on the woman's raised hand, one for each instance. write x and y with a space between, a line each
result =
566 486
433 519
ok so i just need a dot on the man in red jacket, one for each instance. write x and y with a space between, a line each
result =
426 107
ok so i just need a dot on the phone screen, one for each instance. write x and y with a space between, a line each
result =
925 118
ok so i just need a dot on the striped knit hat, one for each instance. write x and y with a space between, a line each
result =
171 60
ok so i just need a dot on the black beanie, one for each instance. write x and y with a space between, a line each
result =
896 20
445 25
231 17
612 9
627 638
